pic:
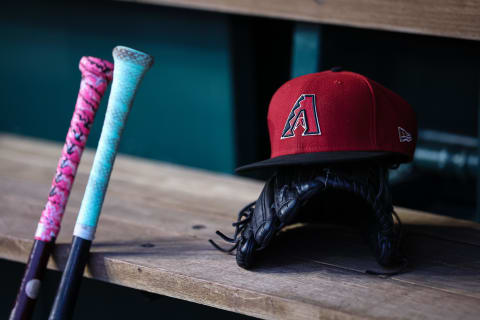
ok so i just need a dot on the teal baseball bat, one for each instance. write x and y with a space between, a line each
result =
130 67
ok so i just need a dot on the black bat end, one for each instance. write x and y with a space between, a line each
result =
66 297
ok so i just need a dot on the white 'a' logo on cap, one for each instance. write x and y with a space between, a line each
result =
303 113
404 135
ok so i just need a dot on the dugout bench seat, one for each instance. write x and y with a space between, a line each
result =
157 218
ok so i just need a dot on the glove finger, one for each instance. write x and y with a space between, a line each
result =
245 252
292 192
265 233
383 248
286 204
264 221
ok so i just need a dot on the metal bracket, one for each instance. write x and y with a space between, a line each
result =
306 49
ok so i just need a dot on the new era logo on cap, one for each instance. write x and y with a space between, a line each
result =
337 116
404 135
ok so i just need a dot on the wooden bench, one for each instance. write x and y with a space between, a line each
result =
447 18
158 217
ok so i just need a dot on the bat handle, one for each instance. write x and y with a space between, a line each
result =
130 67
96 74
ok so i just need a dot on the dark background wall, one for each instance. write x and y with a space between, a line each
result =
183 111
204 102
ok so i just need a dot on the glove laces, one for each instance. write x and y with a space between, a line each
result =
244 216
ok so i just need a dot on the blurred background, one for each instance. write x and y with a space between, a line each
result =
204 102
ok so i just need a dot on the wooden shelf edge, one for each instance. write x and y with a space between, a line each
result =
442 18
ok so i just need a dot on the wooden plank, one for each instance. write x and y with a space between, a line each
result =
157 218
440 264
448 18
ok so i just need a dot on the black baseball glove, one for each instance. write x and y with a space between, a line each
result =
304 194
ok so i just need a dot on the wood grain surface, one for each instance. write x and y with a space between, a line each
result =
448 18
157 219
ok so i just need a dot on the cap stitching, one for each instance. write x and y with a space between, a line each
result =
337 148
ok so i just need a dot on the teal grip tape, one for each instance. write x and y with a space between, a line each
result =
130 67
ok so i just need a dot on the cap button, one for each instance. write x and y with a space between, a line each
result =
336 69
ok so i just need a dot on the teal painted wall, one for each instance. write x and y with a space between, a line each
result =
183 112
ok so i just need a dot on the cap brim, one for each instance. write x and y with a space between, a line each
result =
320 158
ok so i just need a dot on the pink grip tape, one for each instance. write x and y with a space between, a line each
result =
96 74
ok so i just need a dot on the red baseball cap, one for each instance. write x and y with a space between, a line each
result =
336 116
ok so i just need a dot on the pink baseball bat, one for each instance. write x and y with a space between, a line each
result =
96 75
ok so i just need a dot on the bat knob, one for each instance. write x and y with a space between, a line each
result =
99 67
133 56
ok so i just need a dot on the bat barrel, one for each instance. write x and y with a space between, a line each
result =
30 286
70 284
